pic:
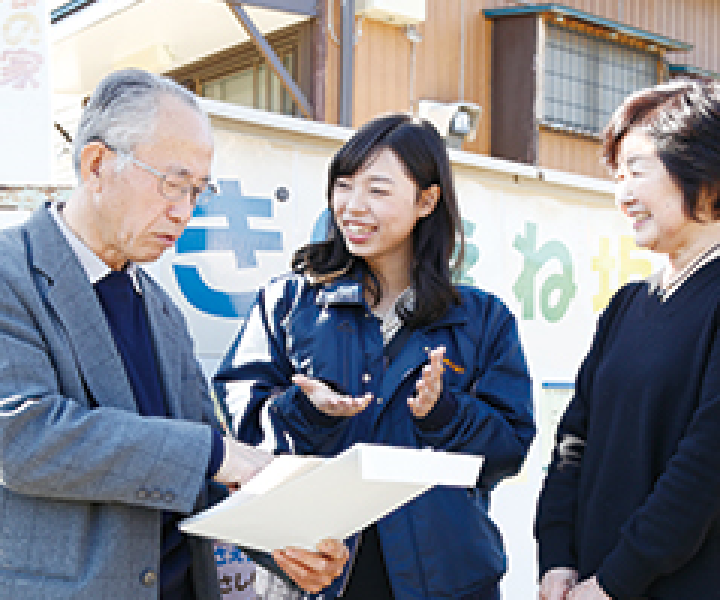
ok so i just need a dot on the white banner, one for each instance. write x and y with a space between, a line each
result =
25 117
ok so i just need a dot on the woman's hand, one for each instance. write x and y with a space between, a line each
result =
429 386
588 589
327 400
313 571
557 583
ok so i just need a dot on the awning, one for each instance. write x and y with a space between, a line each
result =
157 35
566 11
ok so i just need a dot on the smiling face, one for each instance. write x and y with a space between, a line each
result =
376 210
128 218
647 195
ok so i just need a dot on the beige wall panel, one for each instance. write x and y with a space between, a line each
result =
571 153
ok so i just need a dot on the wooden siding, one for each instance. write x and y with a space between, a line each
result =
568 152
383 62
383 65
693 21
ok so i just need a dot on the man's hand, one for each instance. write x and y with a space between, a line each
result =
328 401
313 571
557 583
588 589
429 386
241 463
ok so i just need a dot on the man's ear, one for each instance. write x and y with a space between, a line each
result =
428 200
91 160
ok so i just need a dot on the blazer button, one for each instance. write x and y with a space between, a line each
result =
366 377
148 578
169 497
143 494
379 400
157 495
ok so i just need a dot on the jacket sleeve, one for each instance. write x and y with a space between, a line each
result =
494 415
53 446
254 385
554 523
667 530
555 518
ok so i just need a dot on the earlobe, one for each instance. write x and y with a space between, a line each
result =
429 199
91 157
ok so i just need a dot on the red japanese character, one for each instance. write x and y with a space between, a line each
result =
21 67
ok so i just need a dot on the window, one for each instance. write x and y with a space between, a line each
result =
586 78
256 87
240 74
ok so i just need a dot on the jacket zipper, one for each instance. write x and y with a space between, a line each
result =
343 587
347 331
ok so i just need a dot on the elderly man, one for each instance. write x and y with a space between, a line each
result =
107 430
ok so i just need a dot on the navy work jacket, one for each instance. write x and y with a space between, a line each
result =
442 544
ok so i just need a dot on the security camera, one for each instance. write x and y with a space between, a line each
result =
456 121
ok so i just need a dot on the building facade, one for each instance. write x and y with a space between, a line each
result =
545 77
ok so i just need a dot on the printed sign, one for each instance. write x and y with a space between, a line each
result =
236 572
25 118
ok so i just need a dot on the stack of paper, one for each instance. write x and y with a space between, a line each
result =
300 500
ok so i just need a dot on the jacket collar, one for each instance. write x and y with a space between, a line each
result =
348 291
341 291
92 264
64 284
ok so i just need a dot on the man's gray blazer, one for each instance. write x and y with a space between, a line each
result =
84 477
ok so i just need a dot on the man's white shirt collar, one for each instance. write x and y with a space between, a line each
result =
92 264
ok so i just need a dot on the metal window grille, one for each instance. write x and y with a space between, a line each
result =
586 78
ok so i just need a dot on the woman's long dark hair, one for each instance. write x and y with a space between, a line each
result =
436 238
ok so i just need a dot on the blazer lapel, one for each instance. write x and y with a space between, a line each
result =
67 291
168 349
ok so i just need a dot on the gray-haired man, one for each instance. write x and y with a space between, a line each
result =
107 432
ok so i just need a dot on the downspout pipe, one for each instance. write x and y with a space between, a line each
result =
348 51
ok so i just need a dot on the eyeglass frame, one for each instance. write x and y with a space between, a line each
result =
193 192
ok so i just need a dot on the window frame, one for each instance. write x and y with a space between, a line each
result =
597 51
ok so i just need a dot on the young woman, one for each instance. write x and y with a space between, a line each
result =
631 504
368 340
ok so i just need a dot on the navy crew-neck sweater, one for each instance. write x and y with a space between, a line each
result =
128 322
633 490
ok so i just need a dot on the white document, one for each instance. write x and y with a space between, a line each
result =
299 500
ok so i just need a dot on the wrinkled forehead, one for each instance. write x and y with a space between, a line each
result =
181 140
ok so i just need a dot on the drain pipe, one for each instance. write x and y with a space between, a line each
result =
461 83
348 43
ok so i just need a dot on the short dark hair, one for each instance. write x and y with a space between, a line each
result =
436 238
682 118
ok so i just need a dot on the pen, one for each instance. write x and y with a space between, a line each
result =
449 363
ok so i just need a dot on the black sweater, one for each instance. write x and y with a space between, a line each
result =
633 491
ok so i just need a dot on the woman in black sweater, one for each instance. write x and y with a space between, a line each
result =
631 504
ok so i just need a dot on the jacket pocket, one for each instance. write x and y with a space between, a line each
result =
34 528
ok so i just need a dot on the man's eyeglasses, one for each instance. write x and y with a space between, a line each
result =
173 186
